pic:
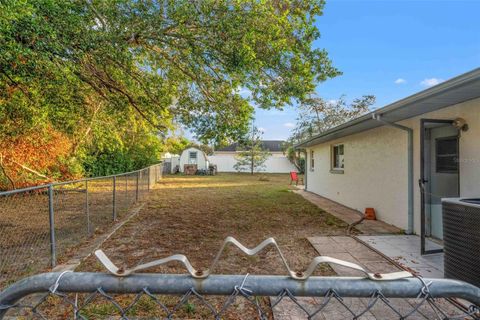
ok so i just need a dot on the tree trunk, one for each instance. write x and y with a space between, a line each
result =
252 164
12 183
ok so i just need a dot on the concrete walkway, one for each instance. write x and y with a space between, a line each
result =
349 249
349 215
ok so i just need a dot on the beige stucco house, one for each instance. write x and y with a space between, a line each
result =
403 158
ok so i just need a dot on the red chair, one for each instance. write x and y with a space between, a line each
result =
294 178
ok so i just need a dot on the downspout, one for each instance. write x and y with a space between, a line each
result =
305 169
410 166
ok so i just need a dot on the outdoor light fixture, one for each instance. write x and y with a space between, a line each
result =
460 124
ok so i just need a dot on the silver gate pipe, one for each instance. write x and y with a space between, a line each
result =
410 196
258 285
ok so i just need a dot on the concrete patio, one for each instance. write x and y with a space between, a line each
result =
405 250
349 249
380 248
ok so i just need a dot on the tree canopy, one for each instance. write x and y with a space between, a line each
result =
251 156
106 72
317 115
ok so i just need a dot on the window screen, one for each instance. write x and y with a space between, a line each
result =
337 157
446 155
312 160
192 157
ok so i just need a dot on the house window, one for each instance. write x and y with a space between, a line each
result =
312 161
446 155
338 157
192 157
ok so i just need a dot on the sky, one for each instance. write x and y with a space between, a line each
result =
390 49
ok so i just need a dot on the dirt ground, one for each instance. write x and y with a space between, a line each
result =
192 215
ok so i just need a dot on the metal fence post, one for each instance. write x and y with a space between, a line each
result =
136 194
126 190
87 209
114 198
148 178
51 217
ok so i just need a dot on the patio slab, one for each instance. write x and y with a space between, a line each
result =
349 249
405 250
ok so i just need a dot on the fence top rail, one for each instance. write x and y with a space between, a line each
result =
44 186
14 191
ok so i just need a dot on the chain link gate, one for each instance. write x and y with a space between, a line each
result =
79 294
125 294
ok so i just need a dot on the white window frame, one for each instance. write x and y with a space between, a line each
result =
334 168
192 160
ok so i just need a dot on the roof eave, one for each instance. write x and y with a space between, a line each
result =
439 89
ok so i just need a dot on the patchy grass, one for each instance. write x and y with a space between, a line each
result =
192 215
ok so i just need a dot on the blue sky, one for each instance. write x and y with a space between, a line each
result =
390 49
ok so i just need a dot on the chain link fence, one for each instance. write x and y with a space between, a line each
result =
71 295
40 224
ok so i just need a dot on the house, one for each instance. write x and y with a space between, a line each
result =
404 158
193 156
277 162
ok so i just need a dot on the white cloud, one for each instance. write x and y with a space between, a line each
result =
332 101
400 81
428 82
244 92
289 125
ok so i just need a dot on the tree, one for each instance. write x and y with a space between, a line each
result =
175 144
208 150
111 74
166 60
35 158
317 115
295 156
252 156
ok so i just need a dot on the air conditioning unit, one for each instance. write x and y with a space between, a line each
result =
461 236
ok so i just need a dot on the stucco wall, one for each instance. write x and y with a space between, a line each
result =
376 166
276 163
374 176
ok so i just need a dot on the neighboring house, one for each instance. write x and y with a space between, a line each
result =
385 159
193 156
277 162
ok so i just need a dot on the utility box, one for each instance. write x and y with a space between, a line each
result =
461 237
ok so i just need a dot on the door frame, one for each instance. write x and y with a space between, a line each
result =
423 180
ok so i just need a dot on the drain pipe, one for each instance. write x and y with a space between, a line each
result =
410 166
